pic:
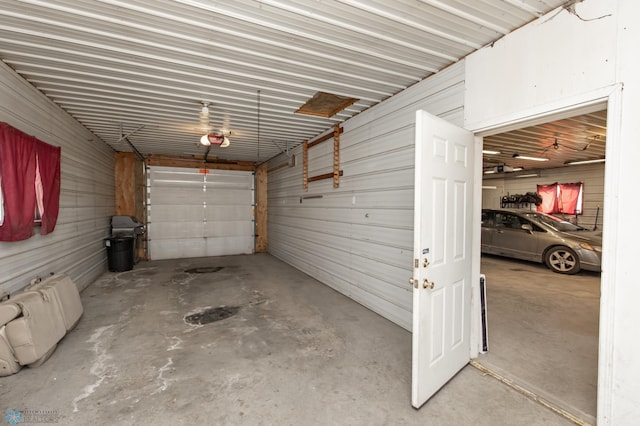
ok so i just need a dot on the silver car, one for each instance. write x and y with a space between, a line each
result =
529 235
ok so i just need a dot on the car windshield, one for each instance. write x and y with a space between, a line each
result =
554 222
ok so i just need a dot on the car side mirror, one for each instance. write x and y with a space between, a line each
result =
527 227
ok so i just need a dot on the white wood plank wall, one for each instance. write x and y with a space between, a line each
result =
591 174
358 238
87 195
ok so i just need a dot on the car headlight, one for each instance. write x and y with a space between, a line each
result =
587 246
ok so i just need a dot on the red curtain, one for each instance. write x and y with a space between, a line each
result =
549 195
20 156
569 196
49 168
561 198
18 171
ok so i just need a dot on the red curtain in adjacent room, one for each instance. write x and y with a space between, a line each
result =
49 169
22 158
18 171
561 198
549 195
570 194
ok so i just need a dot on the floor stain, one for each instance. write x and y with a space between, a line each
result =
211 315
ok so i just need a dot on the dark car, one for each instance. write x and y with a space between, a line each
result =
529 235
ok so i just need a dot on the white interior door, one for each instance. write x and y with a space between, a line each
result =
443 228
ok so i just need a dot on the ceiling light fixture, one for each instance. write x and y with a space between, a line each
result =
490 152
575 163
503 168
526 157
204 112
221 140
528 175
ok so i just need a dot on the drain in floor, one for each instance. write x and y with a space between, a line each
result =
204 270
211 315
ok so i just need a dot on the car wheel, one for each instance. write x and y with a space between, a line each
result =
562 260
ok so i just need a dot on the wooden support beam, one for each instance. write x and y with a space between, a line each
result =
194 162
261 209
125 171
336 156
131 191
324 176
326 137
305 165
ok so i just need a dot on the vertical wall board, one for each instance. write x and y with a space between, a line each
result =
87 192
591 174
358 238
261 209
130 185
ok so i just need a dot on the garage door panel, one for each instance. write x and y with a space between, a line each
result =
164 213
228 197
227 229
227 213
195 214
223 246
176 230
184 196
176 248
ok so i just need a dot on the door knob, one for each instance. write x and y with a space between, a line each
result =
428 284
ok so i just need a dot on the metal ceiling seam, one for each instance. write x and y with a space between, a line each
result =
306 35
240 117
409 22
262 40
524 6
357 29
466 16
205 42
185 83
144 65
258 78
167 60
218 94
58 94
250 123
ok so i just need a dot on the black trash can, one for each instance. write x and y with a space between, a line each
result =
120 253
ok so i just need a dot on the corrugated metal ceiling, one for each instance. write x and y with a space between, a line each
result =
143 68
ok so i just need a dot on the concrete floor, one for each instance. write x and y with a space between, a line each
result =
543 331
296 353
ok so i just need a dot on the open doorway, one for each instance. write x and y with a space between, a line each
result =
543 326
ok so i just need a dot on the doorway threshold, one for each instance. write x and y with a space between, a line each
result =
559 407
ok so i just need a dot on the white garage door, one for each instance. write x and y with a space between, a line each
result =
195 213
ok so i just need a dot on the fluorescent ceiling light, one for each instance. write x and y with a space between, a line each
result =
574 163
528 175
489 172
526 157
490 152
489 187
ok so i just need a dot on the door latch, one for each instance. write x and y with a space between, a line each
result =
425 283
413 282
